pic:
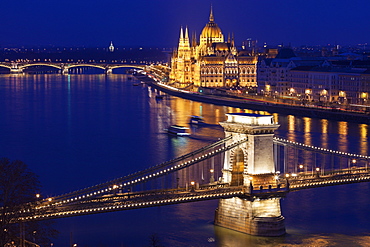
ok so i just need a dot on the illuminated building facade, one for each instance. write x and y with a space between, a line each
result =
211 62
316 79
331 84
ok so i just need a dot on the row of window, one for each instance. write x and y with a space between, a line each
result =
219 71
220 80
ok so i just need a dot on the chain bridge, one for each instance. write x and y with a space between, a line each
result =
249 171
64 68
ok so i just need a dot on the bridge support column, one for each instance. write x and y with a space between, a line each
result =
65 71
250 165
261 217
108 71
16 71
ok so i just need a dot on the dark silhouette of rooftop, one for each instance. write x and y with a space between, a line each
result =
285 53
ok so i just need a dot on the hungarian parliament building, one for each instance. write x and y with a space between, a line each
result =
327 77
212 62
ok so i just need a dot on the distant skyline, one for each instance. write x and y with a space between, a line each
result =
95 23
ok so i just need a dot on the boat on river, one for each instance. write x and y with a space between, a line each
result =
198 120
178 130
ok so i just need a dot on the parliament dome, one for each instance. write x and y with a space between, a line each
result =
211 31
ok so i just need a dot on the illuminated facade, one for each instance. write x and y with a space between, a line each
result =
251 164
317 79
211 62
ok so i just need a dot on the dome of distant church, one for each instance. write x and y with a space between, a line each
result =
211 30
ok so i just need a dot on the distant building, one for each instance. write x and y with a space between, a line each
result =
319 79
212 62
273 73
111 47
330 84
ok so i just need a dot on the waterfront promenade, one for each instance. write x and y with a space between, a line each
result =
286 107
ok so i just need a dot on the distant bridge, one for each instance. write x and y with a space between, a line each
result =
65 67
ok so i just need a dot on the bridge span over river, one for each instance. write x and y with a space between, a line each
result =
64 68
257 169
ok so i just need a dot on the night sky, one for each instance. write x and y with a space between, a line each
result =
94 23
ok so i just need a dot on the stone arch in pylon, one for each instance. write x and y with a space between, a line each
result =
238 165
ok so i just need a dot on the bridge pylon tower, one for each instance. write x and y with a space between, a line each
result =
65 70
250 165
108 70
15 69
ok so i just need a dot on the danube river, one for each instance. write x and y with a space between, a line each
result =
79 130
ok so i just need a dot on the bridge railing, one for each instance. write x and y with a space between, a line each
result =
140 176
303 146
126 201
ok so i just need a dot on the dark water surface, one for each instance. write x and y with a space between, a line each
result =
79 130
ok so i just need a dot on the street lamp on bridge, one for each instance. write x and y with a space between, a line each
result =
192 183
353 161
212 179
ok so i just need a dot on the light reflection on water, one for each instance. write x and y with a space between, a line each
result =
80 130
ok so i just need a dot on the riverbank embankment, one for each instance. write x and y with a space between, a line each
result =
258 105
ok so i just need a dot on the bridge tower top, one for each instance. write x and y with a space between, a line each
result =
253 159
248 123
